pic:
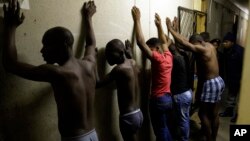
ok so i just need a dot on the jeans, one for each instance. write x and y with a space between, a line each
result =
182 103
160 109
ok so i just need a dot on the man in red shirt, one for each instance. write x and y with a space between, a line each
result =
161 66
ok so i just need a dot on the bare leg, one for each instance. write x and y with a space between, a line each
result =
215 120
205 120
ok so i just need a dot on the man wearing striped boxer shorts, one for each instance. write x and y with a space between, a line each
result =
211 84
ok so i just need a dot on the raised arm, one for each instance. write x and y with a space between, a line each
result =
89 10
128 50
177 36
165 43
182 40
12 20
175 26
139 35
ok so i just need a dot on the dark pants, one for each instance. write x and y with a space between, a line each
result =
160 110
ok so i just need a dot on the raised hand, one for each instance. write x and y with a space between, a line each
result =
168 23
12 16
157 20
128 49
136 13
175 24
89 9
127 44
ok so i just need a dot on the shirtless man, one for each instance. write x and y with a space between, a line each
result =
208 74
73 80
125 74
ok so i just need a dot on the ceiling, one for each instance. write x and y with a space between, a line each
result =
242 4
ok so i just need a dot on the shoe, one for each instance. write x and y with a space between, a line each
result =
227 113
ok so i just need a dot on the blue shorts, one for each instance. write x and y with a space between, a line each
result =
212 90
90 136
131 122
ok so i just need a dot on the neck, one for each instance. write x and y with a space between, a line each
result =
65 59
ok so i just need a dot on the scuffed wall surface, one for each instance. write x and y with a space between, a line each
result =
244 112
28 109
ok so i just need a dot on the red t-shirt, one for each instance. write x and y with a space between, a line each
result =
161 67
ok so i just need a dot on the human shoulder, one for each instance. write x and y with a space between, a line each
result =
89 58
132 61
45 72
87 63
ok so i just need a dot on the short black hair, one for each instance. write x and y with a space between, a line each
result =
153 42
215 41
196 38
115 43
205 36
58 35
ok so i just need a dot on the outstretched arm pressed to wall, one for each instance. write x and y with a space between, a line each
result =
182 40
177 36
175 26
128 49
89 9
164 40
12 20
139 35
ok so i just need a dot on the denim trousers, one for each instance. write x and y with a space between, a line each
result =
181 107
160 109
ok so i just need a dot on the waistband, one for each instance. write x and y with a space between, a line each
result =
160 95
79 136
184 92
131 113
215 78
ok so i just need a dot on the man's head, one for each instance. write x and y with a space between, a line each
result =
228 40
205 36
215 42
57 45
114 52
173 49
196 39
154 44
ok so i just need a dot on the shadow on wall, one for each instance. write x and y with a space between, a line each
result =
27 108
23 118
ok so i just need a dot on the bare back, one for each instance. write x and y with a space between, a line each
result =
74 91
126 78
207 64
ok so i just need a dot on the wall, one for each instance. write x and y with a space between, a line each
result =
221 19
244 112
27 108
